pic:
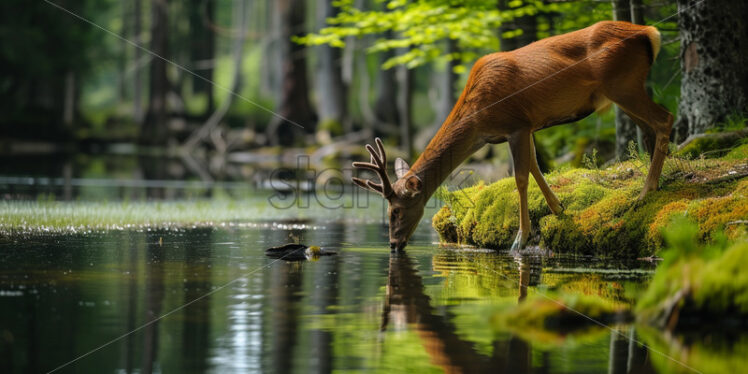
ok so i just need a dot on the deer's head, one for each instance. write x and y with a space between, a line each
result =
406 202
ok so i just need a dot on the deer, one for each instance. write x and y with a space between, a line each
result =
510 95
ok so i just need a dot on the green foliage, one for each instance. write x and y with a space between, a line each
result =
421 27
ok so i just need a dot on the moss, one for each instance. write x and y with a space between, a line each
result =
738 153
702 146
443 226
696 280
602 215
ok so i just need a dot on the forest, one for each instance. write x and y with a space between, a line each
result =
224 76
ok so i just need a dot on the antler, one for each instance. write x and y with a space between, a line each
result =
378 164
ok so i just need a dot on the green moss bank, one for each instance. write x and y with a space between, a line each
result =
602 216
696 283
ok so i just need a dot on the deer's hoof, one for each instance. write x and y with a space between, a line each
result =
519 241
558 209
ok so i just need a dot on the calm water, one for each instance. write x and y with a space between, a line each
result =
229 308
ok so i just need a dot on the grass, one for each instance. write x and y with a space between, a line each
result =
43 216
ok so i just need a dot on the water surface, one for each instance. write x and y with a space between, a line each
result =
226 307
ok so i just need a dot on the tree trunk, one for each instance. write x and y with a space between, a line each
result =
447 86
294 106
621 10
385 105
714 54
626 130
444 99
202 48
137 104
330 87
637 12
154 130
404 106
240 24
368 117
68 111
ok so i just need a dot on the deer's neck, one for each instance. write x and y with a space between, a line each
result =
451 145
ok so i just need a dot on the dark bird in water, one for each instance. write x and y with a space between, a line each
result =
298 252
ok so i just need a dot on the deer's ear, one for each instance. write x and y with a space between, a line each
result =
401 167
413 185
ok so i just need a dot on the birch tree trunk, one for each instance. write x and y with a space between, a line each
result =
714 56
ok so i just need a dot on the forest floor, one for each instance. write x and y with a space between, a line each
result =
602 215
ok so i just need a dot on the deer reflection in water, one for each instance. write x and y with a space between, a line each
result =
406 303
407 306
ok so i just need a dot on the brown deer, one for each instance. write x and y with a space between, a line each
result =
510 95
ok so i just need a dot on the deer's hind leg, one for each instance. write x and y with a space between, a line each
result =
550 197
650 117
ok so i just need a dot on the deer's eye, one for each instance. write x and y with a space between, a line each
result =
395 212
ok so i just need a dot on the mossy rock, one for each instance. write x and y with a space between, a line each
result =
602 215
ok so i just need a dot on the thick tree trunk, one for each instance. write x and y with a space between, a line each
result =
294 104
714 56
202 48
154 130
331 91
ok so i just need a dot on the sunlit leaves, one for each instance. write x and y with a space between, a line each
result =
418 28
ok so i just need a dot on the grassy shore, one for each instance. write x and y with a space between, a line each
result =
45 216
602 216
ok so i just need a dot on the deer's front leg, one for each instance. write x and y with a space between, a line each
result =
550 197
520 147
